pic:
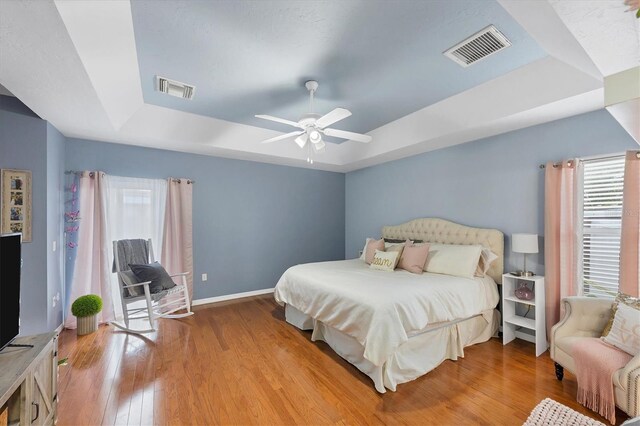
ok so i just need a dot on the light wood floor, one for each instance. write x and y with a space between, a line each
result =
241 363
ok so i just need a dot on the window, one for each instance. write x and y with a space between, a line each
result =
134 209
601 221
135 215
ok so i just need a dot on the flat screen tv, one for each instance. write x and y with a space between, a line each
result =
10 265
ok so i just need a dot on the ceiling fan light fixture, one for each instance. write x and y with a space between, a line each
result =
315 136
317 147
301 140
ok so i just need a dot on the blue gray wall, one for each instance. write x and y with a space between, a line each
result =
28 142
251 221
493 183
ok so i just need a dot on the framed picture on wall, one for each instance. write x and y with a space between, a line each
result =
15 203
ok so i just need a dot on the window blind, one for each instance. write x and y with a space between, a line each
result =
602 217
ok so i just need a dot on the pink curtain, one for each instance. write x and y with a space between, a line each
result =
560 237
630 239
177 245
91 270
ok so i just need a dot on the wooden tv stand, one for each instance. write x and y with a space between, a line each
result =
29 381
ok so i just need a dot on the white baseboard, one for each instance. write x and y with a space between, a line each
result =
208 300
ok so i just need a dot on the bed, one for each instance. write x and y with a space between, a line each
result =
397 326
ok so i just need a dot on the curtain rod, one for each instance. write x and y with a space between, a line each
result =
78 172
189 181
595 157
542 166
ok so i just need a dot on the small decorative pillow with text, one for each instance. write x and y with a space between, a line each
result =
414 257
385 260
370 249
621 299
625 331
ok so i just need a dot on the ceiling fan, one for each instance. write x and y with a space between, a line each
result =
313 125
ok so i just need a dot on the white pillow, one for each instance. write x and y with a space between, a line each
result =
453 259
364 249
385 260
487 257
625 331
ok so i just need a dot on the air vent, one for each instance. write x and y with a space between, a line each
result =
480 45
174 88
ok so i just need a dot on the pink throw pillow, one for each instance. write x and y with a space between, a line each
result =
414 258
370 251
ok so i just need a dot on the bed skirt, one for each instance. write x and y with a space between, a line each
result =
420 354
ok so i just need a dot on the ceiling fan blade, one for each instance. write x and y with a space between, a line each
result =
279 120
285 136
317 147
348 135
332 117
302 140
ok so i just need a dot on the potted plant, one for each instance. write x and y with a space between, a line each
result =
86 309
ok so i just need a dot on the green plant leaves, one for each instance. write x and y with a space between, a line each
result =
86 306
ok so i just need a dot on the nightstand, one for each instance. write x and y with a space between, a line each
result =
512 322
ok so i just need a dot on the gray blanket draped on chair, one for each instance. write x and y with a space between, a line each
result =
131 252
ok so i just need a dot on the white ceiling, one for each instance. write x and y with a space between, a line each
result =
605 29
75 64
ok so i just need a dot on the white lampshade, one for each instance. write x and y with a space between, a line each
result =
524 243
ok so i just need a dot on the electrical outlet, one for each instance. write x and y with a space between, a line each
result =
55 246
204 277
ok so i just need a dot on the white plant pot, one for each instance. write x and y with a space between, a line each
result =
87 325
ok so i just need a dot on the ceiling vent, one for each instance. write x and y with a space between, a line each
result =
480 45
174 88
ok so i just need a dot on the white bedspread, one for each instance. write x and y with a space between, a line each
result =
381 309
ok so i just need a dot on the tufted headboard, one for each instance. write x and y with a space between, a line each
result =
442 231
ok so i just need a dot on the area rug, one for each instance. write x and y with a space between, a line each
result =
550 412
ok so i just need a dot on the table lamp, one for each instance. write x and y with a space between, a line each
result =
526 244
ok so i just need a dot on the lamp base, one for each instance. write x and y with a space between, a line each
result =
522 274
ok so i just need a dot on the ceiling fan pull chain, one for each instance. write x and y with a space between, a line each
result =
309 154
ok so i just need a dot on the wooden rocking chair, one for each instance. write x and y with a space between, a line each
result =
158 305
